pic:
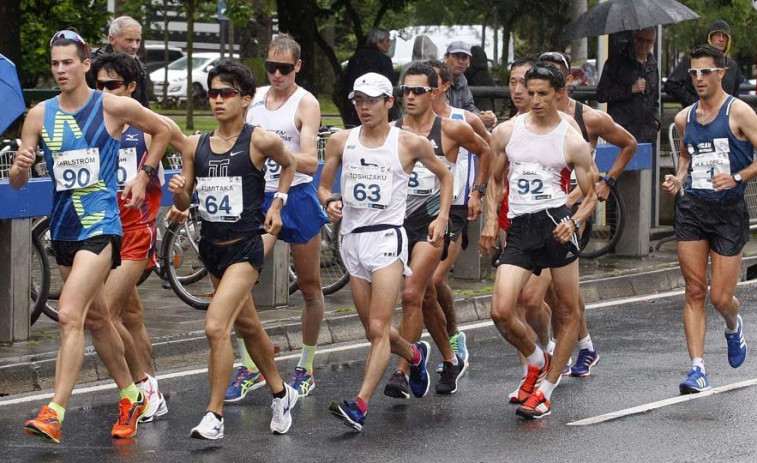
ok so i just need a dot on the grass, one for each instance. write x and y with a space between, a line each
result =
203 124
481 290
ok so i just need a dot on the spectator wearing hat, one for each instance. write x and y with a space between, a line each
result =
679 85
458 57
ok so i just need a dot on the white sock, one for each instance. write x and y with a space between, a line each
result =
550 347
698 362
453 360
524 367
536 358
736 328
586 343
546 388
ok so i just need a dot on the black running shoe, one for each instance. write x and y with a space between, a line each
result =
450 374
397 387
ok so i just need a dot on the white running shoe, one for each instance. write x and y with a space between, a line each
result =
150 389
282 411
162 406
209 428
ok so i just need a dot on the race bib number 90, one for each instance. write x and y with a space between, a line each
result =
220 198
530 182
76 168
367 187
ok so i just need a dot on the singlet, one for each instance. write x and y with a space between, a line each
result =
423 186
578 116
82 159
282 123
714 148
465 169
230 188
539 177
374 184
131 154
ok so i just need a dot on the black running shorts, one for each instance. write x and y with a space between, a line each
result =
218 257
723 224
65 251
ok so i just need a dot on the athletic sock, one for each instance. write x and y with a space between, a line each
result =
306 358
417 356
536 358
524 367
282 394
131 392
246 359
586 343
698 362
362 405
453 360
59 410
550 347
546 388
734 330
146 378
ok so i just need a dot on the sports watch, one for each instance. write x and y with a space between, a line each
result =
480 188
737 178
149 170
282 196
609 181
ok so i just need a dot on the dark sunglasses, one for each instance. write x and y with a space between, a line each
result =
540 71
226 92
406 90
67 35
283 68
110 84
554 57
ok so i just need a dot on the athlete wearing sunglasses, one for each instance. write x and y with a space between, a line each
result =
223 92
703 72
419 90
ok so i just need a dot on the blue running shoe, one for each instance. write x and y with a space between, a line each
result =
736 345
695 381
586 359
244 382
302 382
348 413
419 380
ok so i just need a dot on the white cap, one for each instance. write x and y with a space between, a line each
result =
372 84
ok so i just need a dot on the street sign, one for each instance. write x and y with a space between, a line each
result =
754 4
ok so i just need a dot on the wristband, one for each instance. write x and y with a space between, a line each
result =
329 201
609 181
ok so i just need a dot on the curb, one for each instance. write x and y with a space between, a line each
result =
37 372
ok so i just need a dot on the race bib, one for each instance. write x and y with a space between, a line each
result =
221 198
368 187
76 168
530 182
272 170
704 166
422 181
127 166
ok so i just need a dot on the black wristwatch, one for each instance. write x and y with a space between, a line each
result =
480 188
609 181
149 170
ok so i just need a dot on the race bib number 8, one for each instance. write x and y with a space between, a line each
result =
127 166
422 181
368 187
76 168
530 182
220 198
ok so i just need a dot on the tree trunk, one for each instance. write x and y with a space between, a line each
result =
578 47
10 33
297 18
165 54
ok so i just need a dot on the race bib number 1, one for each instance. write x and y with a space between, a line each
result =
76 168
368 187
220 198
704 166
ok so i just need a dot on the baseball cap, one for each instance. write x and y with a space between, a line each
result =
459 46
372 84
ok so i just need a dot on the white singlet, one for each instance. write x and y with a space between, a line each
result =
538 176
282 122
465 170
374 184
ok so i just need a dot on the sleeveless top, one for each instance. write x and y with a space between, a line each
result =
230 189
714 148
578 116
373 183
465 170
131 154
282 122
424 184
82 159
539 177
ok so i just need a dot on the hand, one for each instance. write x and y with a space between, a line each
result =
672 184
136 189
334 210
177 184
639 86
436 232
489 237
564 231
25 158
488 118
474 205
723 181
176 216
602 189
272 222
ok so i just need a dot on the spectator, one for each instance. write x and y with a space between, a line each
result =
423 49
371 58
458 57
629 87
478 76
125 36
679 85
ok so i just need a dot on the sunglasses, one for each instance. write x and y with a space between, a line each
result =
226 92
283 68
67 35
554 57
370 100
407 90
110 84
704 72
540 71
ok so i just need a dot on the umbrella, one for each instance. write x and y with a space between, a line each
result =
10 94
627 15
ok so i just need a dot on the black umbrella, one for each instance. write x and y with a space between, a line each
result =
627 15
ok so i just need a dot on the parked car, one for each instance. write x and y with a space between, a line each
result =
202 63
154 56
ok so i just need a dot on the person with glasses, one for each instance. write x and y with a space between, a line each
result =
226 167
718 136
538 150
125 36
629 86
681 87
117 74
80 131
293 114
458 59
376 161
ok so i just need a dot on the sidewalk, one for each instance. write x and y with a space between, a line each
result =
179 340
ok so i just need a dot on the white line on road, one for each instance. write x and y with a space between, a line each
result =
357 345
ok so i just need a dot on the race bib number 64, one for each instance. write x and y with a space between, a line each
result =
220 198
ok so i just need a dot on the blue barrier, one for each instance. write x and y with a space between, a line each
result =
606 154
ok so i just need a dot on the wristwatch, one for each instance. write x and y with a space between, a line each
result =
282 196
480 188
609 181
149 170
737 178
577 223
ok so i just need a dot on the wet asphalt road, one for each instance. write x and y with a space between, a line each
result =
643 359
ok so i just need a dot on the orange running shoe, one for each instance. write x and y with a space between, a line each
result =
46 425
533 380
537 406
129 414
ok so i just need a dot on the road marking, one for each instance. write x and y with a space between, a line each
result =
662 403
350 346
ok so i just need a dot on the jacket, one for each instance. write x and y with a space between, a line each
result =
459 95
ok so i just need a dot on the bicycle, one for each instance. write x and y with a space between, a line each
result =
608 223
334 274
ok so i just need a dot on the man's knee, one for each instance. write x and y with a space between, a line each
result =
216 331
721 300
411 297
696 290
377 330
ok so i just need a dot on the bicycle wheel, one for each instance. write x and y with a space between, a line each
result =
609 222
182 266
40 282
334 275
41 234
